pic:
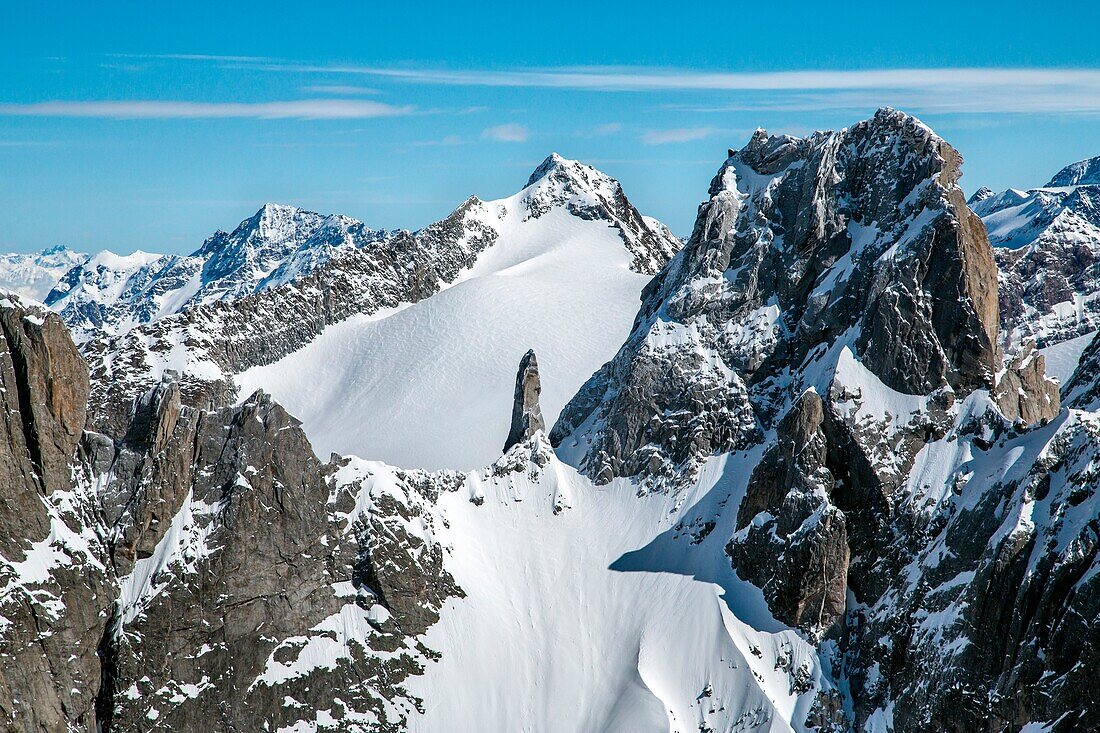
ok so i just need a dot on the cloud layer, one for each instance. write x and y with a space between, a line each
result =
306 109
677 135
942 90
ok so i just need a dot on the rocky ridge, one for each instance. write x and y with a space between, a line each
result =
526 414
837 303
206 556
110 294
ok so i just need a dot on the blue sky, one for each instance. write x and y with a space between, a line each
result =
148 126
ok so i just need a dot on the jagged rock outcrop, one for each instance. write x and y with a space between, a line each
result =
991 625
245 570
54 589
858 238
526 413
1023 393
842 286
787 514
229 598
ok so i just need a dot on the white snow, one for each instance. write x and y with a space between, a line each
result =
34 275
1062 358
601 618
431 385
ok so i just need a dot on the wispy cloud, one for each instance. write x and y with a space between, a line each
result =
677 135
194 57
509 133
943 90
311 109
448 140
347 90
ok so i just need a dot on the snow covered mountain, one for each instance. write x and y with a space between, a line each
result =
110 294
34 275
421 385
808 491
559 265
1047 244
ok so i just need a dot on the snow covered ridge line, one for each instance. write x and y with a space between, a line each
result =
280 245
34 275
208 343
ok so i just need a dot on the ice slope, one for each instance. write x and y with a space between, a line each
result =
431 385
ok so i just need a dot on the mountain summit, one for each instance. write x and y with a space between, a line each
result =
1082 173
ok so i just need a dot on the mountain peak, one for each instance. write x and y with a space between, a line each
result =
272 214
1082 173
980 195
553 163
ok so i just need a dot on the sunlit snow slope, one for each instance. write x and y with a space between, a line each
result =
596 609
429 385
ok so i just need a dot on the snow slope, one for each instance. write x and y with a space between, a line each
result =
1047 244
1063 357
430 385
594 609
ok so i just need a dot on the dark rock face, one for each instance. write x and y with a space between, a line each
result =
842 288
54 589
526 413
992 625
46 384
788 515
242 558
259 568
246 572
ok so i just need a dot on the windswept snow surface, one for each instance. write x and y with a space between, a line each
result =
431 385
615 614
1062 358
